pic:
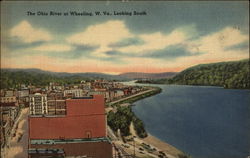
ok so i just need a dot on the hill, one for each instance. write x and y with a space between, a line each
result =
12 78
233 74
140 75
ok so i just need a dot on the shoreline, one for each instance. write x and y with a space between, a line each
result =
135 97
154 144
153 141
162 146
196 85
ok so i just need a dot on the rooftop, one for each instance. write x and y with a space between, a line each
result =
85 97
63 141
47 115
45 151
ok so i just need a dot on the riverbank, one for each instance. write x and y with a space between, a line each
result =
133 98
230 75
162 146
149 146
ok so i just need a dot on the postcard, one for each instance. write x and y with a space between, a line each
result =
116 79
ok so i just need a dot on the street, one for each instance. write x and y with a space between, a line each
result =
134 95
18 144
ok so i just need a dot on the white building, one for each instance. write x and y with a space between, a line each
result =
38 104
75 92
23 93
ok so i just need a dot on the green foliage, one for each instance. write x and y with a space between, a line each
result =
139 127
225 74
13 79
122 120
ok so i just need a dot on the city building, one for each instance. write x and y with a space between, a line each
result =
119 93
11 99
2 93
56 107
38 104
127 91
23 97
80 132
8 114
9 93
86 86
56 103
74 92
23 93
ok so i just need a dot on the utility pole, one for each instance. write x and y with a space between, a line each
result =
134 147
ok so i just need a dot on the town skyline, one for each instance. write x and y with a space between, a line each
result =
171 37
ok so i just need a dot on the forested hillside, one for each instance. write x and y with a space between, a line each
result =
11 79
226 74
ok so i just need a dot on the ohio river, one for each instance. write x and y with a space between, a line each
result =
205 122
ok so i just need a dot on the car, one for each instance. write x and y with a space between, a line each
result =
141 149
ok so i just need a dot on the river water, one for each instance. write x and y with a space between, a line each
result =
205 122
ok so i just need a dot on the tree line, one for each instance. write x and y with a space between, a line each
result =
14 79
122 118
225 74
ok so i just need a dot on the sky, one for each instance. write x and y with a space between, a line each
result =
169 36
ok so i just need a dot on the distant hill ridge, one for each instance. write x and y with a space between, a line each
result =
140 75
128 75
11 78
60 74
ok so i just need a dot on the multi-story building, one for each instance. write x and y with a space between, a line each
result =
38 104
74 92
127 91
8 114
2 93
23 97
79 133
23 93
119 93
86 86
11 99
55 95
9 93
56 107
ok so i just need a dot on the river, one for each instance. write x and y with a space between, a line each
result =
203 121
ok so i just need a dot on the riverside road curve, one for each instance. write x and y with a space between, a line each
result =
134 95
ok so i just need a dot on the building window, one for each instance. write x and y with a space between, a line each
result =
88 134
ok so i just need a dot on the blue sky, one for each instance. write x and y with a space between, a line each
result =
171 37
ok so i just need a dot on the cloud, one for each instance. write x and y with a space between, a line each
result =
112 47
127 42
85 47
156 41
113 36
241 46
28 34
113 53
227 44
171 52
101 34
53 48
219 42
